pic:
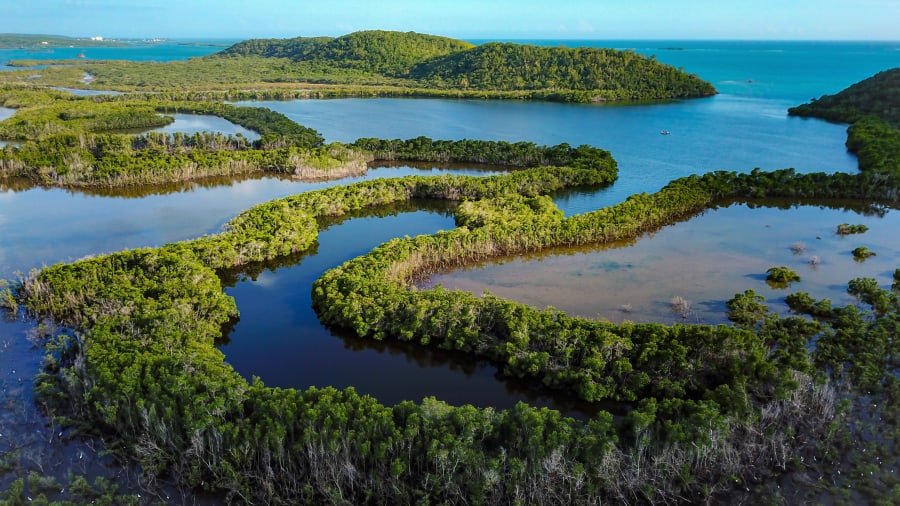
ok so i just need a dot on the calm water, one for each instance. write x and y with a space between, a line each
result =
168 51
705 260
278 336
194 123
33 234
723 132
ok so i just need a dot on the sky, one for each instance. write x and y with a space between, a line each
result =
471 19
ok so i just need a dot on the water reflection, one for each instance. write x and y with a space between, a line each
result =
42 226
280 339
722 132
705 260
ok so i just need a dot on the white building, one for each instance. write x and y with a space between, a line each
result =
97 38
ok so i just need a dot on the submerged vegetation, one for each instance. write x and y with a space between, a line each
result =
862 253
847 229
781 276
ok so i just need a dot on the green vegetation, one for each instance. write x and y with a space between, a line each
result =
877 96
602 74
747 309
376 51
382 63
871 107
705 408
848 229
781 276
109 160
862 253
41 114
146 370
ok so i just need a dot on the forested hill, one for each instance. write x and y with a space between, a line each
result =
877 96
298 48
443 63
872 107
507 66
388 53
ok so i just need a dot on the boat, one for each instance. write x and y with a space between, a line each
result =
664 132
81 55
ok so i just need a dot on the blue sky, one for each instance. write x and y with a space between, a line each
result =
572 19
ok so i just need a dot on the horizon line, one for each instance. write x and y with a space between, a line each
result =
480 37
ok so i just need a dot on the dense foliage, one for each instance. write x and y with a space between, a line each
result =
781 275
877 96
42 114
872 107
605 73
378 51
115 160
145 368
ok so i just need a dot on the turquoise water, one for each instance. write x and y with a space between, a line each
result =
795 71
168 51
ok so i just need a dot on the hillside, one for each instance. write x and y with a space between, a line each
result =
872 107
428 61
498 66
298 48
877 96
383 52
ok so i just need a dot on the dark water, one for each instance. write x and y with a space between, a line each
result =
723 132
279 337
705 260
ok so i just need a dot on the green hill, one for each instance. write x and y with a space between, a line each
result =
298 48
428 61
877 96
872 107
383 52
498 66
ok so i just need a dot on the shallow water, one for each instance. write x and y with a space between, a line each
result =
722 132
42 226
195 123
706 260
81 92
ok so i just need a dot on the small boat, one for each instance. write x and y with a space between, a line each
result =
81 55
664 132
